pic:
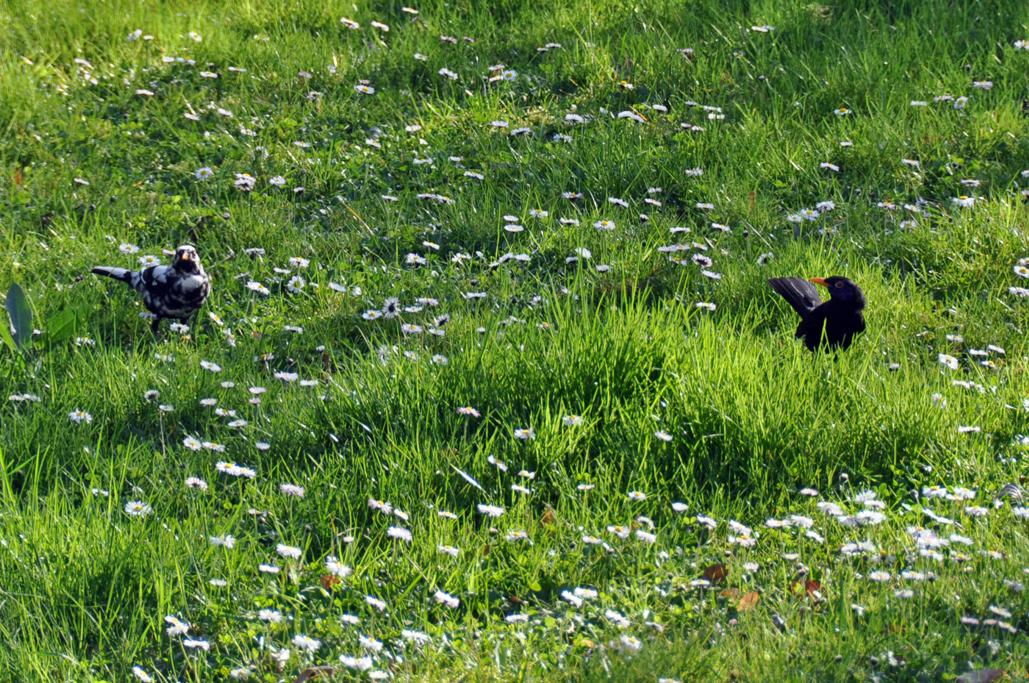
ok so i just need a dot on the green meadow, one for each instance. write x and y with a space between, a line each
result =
490 385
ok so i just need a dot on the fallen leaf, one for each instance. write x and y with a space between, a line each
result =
716 573
748 601
806 588
549 517
330 581
313 672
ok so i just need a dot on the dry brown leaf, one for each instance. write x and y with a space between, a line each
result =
313 672
716 573
549 517
748 601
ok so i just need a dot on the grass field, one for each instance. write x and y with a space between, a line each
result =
491 385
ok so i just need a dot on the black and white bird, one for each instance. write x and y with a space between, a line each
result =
833 323
176 291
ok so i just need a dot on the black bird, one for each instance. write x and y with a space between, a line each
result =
832 323
176 291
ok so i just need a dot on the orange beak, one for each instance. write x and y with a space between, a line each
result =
819 281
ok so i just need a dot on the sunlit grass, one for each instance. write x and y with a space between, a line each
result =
605 402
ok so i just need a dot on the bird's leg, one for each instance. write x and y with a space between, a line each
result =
154 325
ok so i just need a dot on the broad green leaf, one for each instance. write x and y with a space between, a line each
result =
20 314
61 325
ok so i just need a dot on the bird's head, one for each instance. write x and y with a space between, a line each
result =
186 259
842 290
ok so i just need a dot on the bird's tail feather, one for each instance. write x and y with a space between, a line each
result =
122 274
799 293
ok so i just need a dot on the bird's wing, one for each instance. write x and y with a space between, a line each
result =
798 292
153 280
812 327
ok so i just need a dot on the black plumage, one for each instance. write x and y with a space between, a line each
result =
176 291
833 323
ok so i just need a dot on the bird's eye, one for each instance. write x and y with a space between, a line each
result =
838 285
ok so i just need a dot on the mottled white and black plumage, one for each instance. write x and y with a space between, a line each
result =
176 291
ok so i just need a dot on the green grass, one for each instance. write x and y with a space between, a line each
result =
752 417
